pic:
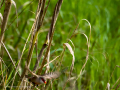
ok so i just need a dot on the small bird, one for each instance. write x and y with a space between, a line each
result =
36 80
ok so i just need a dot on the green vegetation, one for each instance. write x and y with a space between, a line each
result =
104 50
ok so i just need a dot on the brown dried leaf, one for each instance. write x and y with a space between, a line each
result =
72 52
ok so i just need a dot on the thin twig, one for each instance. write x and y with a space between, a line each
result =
39 57
5 19
31 71
73 60
33 39
37 26
21 58
44 45
51 32
117 87
111 77
10 57
116 83
3 80
19 14
88 45
2 62
117 79
38 22
51 61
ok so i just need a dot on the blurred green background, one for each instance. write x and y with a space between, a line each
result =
104 17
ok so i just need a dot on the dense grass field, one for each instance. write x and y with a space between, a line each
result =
85 65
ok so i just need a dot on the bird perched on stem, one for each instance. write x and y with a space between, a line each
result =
41 79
